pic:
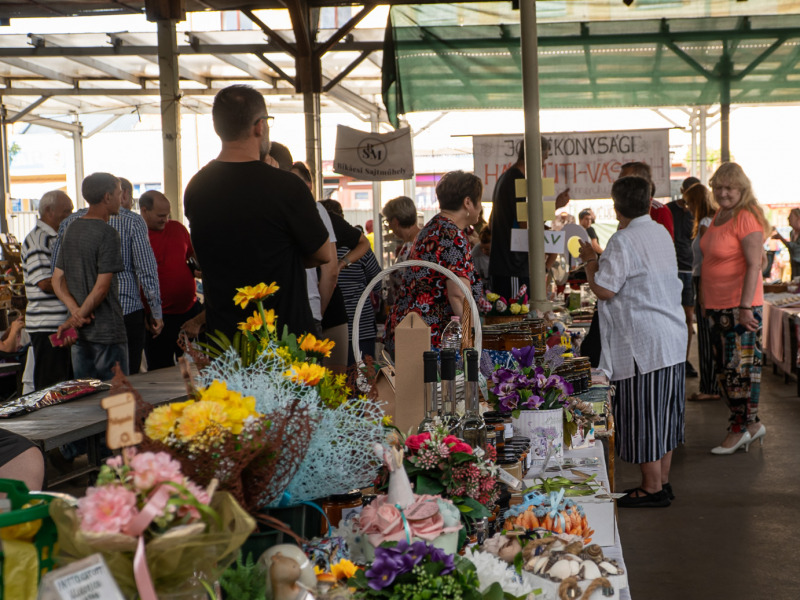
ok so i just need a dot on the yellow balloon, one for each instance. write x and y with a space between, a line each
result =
574 246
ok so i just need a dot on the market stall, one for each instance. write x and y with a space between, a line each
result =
781 322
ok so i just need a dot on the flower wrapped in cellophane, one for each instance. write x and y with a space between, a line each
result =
218 434
284 374
148 511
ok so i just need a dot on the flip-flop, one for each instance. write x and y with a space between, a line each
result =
698 397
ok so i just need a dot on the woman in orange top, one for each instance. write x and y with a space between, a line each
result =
733 296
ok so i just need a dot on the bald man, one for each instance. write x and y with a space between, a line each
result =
172 247
45 312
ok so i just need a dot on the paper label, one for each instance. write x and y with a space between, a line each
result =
507 478
548 187
87 579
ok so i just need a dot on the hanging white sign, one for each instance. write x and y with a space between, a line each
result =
586 163
374 156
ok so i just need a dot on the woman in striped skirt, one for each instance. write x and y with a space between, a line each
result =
643 338
701 203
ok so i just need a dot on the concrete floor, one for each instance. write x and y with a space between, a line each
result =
730 534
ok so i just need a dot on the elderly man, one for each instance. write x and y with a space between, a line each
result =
250 222
172 247
45 312
140 273
87 260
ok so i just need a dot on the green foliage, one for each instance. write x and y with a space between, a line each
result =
13 150
244 580
246 348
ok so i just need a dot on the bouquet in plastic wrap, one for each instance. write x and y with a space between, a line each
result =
284 374
158 531
219 434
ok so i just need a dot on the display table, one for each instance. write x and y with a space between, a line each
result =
84 418
780 337
613 551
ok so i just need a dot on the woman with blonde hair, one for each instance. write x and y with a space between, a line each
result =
793 243
699 200
733 298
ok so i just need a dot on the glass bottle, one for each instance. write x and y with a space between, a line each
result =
473 426
450 419
430 375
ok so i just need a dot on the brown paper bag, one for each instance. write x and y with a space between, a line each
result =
412 338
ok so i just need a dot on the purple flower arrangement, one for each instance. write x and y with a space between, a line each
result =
527 386
416 570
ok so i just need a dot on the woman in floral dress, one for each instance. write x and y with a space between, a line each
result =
442 241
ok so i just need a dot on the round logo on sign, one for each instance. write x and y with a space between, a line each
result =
372 151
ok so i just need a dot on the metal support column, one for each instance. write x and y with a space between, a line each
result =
170 115
377 205
703 148
725 123
4 168
693 163
77 152
533 153
311 109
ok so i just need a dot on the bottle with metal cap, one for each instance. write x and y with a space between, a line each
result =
430 374
451 421
473 427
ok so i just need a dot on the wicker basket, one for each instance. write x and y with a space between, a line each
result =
471 306
499 319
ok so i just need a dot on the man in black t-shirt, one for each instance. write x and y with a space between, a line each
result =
586 219
509 270
250 222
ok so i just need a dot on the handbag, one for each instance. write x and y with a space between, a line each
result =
591 345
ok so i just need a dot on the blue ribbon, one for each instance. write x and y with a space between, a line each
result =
406 526
530 499
286 501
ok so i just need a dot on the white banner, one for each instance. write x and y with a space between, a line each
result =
585 162
374 156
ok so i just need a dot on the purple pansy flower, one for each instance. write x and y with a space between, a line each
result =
382 572
524 356
533 402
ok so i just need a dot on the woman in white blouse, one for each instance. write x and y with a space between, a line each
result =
643 337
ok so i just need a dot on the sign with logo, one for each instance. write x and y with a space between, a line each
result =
586 163
374 156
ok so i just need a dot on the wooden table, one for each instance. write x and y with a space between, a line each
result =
780 339
84 419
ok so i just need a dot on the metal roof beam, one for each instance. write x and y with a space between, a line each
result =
45 122
31 107
17 91
39 70
234 61
344 73
41 41
150 54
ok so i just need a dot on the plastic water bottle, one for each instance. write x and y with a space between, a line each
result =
452 335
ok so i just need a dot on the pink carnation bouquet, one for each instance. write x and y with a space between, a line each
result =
145 512
439 464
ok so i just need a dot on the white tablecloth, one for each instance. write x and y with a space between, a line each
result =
601 471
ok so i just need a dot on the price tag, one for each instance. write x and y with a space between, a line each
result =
86 579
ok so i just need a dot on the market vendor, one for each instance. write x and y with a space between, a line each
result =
643 339
20 459
444 242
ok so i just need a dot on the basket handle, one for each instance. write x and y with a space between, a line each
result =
414 263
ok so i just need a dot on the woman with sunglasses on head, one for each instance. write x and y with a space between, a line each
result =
733 298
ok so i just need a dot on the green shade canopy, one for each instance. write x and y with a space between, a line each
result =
467 56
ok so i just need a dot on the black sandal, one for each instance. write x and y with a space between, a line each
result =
647 500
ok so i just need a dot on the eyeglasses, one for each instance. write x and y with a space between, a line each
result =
266 118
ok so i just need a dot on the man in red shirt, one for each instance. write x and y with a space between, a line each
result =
172 247
658 211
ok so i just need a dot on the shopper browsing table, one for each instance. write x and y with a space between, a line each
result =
733 298
643 338
442 241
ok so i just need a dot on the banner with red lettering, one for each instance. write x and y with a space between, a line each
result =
585 162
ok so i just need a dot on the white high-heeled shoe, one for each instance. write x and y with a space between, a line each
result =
745 441
760 435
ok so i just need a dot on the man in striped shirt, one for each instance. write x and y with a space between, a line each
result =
45 312
140 271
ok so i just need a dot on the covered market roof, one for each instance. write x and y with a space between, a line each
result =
445 57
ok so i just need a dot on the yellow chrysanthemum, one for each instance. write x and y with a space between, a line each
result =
492 297
515 309
344 569
525 309
309 343
159 423
306 374
198 417
248 294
